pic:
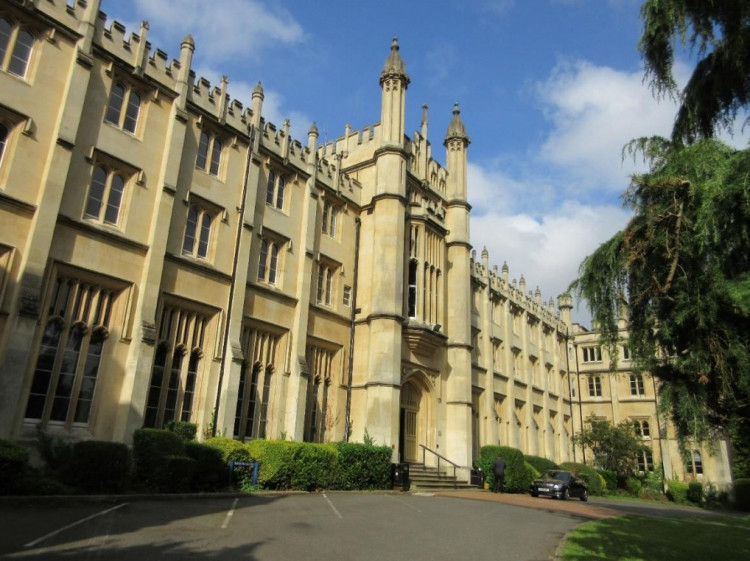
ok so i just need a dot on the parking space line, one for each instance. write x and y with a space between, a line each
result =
229 514
74 524
332 507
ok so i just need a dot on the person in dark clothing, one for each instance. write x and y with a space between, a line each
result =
498 467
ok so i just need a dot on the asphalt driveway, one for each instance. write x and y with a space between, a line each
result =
318 526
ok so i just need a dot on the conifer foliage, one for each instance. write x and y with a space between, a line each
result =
718 32
680 272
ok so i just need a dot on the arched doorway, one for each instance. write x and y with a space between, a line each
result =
411 398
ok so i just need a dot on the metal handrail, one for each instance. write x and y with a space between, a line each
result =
425 449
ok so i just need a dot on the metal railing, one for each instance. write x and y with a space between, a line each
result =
425 449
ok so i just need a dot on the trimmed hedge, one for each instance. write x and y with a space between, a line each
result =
742 494
186 431
14 460
594 481
96 466
152 450
211 471
677 492
541 464
517 476
695 492
359 466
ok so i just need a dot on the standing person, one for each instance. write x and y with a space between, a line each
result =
498 467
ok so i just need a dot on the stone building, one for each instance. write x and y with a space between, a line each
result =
168 254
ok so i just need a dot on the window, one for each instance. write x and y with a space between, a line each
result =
174 376
695 462
268 261
320 363
347 296
124 107
325 284
591 354
412 302
251 413
636 385
330 219
645 461
76 328
642 428
595 386
197 232
4 134
625 352
105 197
275 189
209 154
16 44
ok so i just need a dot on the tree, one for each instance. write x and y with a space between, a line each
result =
615 448
720 84
680 272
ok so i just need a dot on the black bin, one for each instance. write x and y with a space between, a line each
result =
400 476
477 477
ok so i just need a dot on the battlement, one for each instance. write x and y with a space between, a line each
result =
67 14
515 291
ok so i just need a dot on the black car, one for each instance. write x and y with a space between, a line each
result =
559 484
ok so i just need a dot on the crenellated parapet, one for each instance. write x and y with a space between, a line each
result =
514 291
135 53
63 12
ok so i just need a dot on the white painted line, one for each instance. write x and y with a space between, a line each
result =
332 507
229 514
69 526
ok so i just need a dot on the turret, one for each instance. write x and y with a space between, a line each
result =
393 80
187 48
257 104
456 142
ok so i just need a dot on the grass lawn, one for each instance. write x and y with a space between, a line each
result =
641 538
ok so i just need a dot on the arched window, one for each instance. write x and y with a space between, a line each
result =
105 196
124 107
209 147
16 45
197 229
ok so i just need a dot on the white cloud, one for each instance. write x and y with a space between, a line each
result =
546 251
225 29
594 112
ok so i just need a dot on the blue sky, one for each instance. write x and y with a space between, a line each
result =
549 91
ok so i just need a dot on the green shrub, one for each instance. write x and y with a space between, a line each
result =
595 482
211 472
180 471
186 431
235 451
313 466
359 466
742 494
532 471
517 476
276 462
610 479
695 492
151 450
96 466
540 464
677 492
14 460
633 486
653 483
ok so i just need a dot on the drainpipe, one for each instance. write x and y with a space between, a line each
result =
580 406
567 365
232 282
347 423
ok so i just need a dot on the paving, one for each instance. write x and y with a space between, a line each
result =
431 526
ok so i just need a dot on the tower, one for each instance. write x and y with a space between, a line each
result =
458 305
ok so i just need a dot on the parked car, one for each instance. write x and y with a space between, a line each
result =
559 484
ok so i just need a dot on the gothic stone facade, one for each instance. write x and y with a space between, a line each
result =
167 254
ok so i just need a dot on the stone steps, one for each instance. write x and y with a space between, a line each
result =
423 478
